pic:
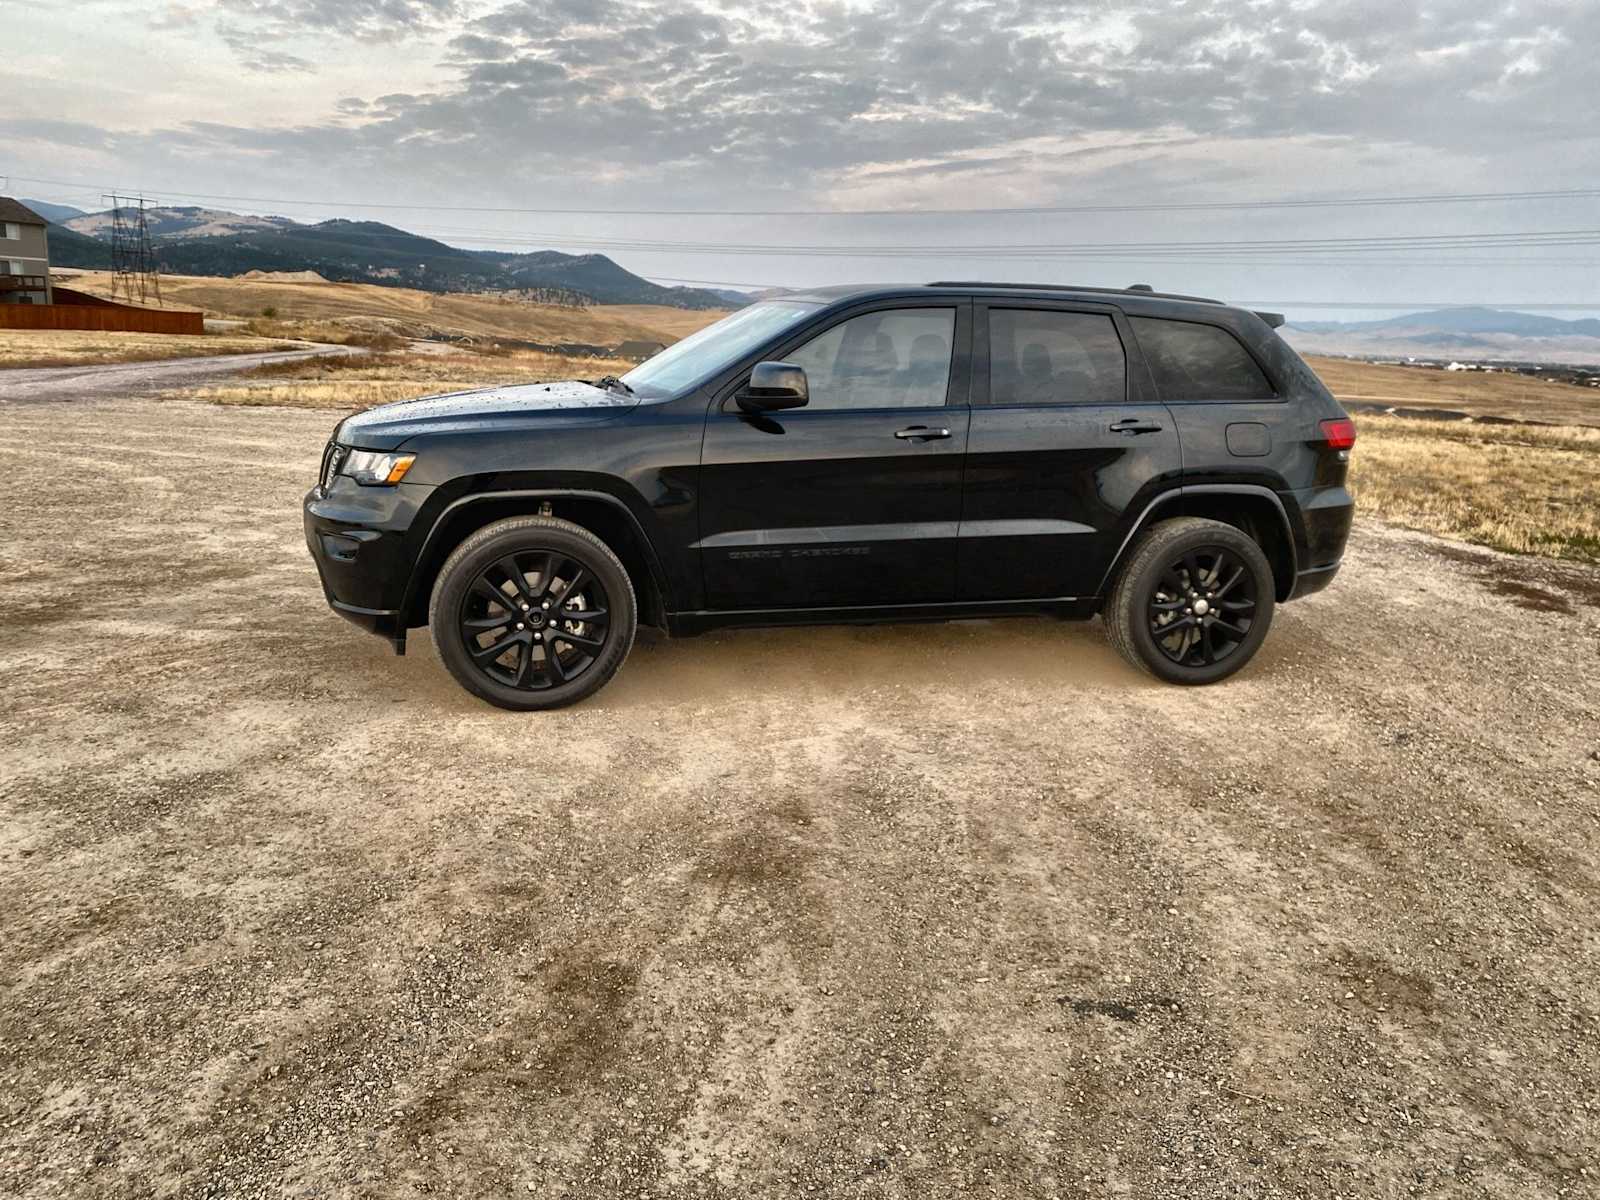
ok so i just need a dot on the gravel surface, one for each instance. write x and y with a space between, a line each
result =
108 381
907 912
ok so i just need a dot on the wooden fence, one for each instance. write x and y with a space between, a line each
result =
66 295
79 310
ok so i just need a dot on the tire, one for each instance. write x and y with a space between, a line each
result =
534 565
1175 568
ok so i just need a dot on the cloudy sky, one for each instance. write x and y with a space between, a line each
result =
432 113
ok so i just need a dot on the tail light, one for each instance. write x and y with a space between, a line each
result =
1340 434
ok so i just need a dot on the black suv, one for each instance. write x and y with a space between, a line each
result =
853 455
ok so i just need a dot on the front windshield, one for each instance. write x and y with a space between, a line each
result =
701 355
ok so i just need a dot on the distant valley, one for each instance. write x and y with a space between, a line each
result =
1468 334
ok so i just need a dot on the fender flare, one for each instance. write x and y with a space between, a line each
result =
652 562
1207 489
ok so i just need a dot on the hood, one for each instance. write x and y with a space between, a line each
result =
481 410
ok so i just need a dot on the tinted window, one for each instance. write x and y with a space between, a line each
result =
899 358
1041 357
1199 362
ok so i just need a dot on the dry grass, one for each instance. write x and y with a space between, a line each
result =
338 333
363 381
21 348
328 306
1501 394
1523 488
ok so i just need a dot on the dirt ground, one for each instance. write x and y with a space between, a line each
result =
914 911
122 379
25 348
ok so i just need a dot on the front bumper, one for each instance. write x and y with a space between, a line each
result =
359 540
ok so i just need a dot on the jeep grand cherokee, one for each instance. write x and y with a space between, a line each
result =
853 455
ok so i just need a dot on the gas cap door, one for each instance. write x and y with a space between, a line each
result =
1249 439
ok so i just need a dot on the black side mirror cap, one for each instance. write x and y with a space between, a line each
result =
773 386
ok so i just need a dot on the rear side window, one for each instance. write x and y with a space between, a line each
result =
1040 356
1199 362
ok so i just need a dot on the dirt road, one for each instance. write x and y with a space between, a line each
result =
113 380
903 912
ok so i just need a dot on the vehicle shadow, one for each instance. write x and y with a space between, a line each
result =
969 654
776 663
793 662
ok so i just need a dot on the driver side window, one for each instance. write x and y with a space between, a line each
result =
898 358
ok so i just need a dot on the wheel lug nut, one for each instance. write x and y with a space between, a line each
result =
521 626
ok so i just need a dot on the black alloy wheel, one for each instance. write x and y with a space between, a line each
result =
533 613
1203 606
1192 600
535 619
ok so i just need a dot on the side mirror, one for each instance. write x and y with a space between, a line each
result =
774 385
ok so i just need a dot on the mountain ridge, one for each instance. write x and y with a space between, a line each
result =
192 240
1470 333
1466 320
52 212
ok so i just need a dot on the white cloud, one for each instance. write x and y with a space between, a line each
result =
615 103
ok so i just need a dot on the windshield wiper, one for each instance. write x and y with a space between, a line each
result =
611 383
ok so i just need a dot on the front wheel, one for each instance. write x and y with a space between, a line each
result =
1192 602
532 613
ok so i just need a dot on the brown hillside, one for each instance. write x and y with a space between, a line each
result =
417 314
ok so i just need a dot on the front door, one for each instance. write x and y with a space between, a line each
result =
1066 447
854 499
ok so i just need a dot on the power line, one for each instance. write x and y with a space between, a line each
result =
502 240
1409 305
1194 206
1206 248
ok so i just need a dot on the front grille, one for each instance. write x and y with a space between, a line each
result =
332 459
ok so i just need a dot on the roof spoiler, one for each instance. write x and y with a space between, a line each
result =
1273 320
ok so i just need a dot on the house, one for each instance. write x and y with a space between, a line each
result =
24 255
639 351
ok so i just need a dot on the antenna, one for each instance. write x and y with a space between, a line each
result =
133 261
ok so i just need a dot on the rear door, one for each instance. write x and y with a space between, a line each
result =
853 500
1067 445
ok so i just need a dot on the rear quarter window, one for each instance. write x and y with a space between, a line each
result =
1191 361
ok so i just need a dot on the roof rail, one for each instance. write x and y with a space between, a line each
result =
1143 289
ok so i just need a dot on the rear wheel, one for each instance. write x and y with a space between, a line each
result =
1193 601
532 613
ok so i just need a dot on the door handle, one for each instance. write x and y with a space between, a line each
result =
1132 425
920 433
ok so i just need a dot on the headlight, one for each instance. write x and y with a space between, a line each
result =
376 467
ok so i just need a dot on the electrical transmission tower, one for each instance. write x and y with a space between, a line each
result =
136 276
